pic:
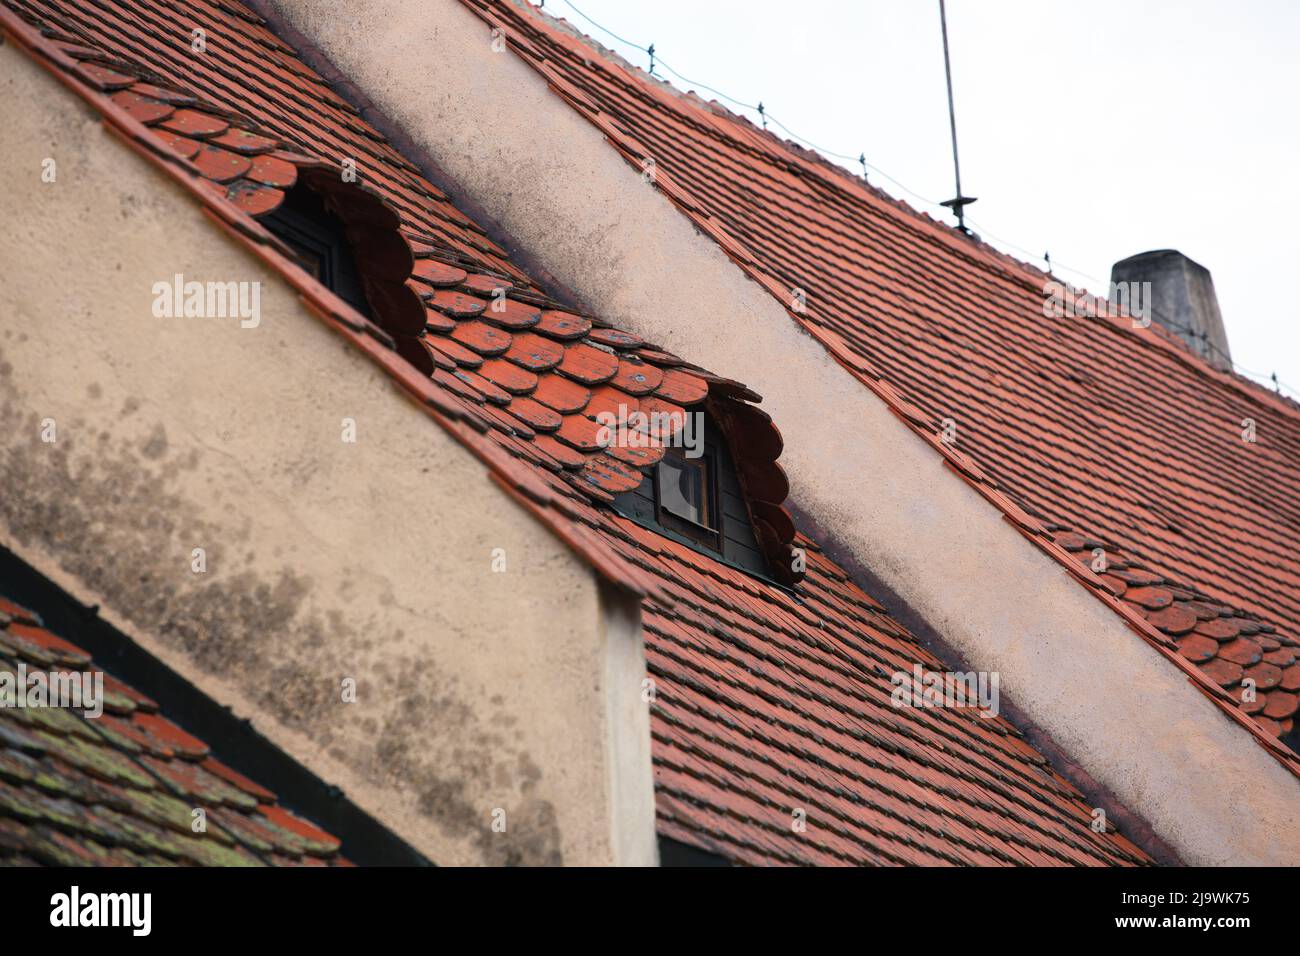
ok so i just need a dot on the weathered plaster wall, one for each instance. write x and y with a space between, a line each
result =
476 690
554 186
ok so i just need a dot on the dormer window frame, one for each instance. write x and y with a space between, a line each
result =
312 248
730 537
708 533
319 239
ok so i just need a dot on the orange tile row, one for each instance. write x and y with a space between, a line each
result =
1246 657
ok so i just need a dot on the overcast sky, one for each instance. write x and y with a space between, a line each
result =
1095 129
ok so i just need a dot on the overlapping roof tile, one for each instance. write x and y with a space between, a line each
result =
768 700
1083 424
1256 667
120 789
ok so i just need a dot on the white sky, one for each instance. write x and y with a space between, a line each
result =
1094 129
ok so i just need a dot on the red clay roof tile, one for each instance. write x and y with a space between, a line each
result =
1223 672
1219 628
615 338
1242 651
1197 649
487 286
1265 675
242 141
611 475
456 304
439 273
438 323
187 122
1281 705
580 433
254 198
221 165
636 377
561 394
272 171
510 376
119 789
144 108
102 77
587 364
537 415
1172 620
512 315
535 353
563 325
481 337
765 700
887 277
682 387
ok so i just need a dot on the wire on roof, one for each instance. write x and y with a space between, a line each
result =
765 116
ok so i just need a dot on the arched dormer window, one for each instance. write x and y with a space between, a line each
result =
694 496
320 240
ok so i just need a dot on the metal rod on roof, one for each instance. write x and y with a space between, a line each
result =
957 203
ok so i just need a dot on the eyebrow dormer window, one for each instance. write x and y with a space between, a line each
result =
696 499
320 240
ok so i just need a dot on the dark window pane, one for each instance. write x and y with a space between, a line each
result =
681 488
312 259
686 493
320 240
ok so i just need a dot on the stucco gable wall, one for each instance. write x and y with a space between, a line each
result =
325 560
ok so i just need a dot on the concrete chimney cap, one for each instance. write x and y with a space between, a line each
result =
1154 255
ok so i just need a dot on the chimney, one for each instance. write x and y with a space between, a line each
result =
1181 298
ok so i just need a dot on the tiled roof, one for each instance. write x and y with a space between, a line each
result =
1228 645
1086 426
768 700
120 789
